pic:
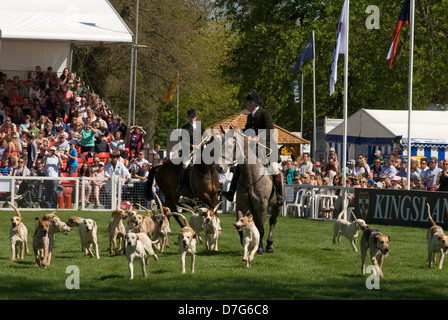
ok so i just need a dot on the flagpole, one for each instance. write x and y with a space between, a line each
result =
177 98
411 67
314 98
344 144
135 61
301 109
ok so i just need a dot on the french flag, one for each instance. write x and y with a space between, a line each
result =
402 21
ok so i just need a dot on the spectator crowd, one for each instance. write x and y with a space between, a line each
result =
51 125
385 172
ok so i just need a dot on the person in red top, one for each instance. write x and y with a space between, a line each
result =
136 138
15 100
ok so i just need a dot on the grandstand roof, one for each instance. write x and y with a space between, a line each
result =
80 22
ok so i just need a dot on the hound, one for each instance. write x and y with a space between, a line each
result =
56 226
88 234
138 223
212 229
161 225
251 236
18 236
117 232
187 243
378 245
349 230
196 221
437 242
165 227
76 222
41 243
138 247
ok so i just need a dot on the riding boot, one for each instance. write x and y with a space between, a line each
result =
277 179
229 195
180 182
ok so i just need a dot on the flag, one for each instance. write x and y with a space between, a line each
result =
339 47
296 86
170 93
307 53
403 20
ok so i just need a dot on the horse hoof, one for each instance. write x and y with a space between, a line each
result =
270 250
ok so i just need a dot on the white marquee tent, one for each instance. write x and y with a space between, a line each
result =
44 32
370 130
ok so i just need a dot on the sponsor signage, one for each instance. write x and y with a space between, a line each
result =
401 207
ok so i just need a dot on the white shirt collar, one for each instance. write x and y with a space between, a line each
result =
253 112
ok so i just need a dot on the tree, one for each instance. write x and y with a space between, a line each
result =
271 35
180 36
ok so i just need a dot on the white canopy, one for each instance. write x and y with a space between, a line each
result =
42 32
380 127
81 21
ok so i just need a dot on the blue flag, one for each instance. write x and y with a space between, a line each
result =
307 53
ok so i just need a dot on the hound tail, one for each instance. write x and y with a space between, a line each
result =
183 217
361 225
16 210
429 215
344 210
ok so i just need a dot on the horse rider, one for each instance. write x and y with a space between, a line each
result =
191 127
258 119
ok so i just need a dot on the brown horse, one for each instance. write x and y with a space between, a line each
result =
200 181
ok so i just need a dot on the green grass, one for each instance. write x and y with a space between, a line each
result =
305 265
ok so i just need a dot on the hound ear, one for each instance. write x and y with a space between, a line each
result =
239 214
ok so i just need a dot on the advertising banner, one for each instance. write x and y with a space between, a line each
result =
401 207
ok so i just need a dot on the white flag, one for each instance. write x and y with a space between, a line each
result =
339 47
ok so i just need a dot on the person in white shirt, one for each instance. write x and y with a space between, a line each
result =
306 166
137 164
52 162
429 176
115 169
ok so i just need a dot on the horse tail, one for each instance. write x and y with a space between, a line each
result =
150 181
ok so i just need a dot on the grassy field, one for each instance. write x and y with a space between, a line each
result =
305 265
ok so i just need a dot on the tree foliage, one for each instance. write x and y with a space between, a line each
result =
180 36
271 35
225 48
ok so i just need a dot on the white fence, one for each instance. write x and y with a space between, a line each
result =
65 193
317 202
37 192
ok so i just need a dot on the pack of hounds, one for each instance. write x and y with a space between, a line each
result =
142 234
139 239
376 244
